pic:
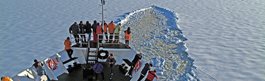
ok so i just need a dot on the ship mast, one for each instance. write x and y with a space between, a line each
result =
102 11
102 26
102 22
102 15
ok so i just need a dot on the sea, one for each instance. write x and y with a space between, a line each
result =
226 38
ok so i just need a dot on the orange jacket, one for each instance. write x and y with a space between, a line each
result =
95 38
111 27
5 78
99 29
127 36
105 27
67 44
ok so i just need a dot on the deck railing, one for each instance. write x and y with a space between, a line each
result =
100 39
115 39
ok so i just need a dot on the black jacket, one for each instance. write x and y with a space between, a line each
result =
74 29
82 28
94 27
145 69
136 58
88 28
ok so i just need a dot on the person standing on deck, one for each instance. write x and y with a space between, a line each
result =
39 67
151 75
40 71
111 30
74 29
117 33
88 30
98 69
90 73
36 62
136 59
99 32
82 32
144 71
127 36
67 47
106 30
94 27
111 61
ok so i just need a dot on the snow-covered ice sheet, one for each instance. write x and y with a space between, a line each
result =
163 38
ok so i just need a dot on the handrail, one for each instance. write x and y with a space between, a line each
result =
109 35
93 36
113 39
72 39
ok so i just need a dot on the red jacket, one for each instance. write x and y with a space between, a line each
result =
137 65
99 30
151 75
127 36
67 44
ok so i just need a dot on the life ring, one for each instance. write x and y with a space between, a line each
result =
103 54
52 64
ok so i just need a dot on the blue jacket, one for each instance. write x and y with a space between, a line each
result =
98 68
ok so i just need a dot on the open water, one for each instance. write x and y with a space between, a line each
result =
225 37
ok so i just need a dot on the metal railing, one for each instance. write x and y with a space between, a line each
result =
115 39
72 38
100 39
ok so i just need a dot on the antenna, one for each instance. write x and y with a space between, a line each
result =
102 13
102 22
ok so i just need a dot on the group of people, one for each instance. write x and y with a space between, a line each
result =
79 30
151 73
147 69
110 30
97 69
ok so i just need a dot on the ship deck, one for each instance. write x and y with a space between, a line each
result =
120 50
77 75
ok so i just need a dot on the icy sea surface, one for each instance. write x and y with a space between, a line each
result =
225 37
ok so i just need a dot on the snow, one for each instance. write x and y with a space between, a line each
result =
225 38
159 22
158 65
